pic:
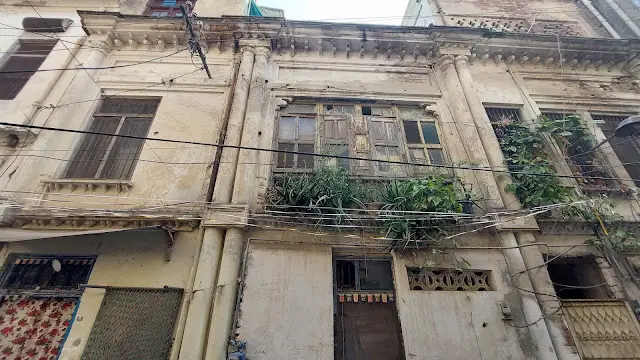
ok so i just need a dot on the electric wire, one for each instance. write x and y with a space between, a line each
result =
94 68
382 161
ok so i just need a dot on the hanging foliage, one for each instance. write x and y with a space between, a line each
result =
523 149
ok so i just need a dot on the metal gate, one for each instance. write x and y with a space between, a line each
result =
134 323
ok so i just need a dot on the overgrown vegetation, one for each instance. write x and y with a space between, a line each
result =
524 153
327 190
404 199
331 191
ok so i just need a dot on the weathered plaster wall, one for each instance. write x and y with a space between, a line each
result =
165 170
456 324
125 259
287 304
546 16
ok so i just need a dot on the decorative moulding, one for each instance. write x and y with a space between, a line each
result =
87 185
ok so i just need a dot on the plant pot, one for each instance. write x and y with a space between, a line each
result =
373 206
467 206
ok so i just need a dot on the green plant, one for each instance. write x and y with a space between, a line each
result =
327 190
523 148
429 194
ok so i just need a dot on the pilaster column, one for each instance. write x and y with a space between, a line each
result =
244 192
235 126
524 257
487 135
473 126
464 125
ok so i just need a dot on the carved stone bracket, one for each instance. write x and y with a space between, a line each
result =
89 222
87 185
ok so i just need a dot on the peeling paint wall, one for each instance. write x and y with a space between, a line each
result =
287 304
123 260
459 324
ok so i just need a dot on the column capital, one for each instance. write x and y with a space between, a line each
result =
100 42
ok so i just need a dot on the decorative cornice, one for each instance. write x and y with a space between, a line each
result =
39 219
385 43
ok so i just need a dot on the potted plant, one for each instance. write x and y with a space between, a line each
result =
465 196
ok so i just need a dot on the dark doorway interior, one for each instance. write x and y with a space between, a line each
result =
367 331
578 278
366 324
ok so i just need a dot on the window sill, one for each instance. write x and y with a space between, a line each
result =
88 185
617 192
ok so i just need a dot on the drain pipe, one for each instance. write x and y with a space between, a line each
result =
601 19
242 190
624 17
199 300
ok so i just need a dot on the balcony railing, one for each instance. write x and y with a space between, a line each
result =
603 329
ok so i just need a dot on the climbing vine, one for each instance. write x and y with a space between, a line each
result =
523 148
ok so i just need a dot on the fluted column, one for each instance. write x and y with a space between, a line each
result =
464 126
197 324
530 256
244 193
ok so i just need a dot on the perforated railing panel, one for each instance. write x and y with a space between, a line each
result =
134 324
448 279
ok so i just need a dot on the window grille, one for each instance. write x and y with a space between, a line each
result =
581 164
134 324
26 272
503 115
112 157
26 58
365 275
448 279
626 148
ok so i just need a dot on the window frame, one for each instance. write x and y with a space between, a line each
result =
358 125
154 6
17 259
576 168
110 147
634 141
25 76
296 141
425 147
393 170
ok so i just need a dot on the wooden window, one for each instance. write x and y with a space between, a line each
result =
423 140
25 60
384 134
165 7
113 157
297 132
626 148
335 139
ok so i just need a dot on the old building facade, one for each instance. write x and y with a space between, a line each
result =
162 238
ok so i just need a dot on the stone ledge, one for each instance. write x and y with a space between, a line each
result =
516 222
226 215
88 185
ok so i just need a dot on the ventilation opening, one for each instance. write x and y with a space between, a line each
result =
52 25
578 278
